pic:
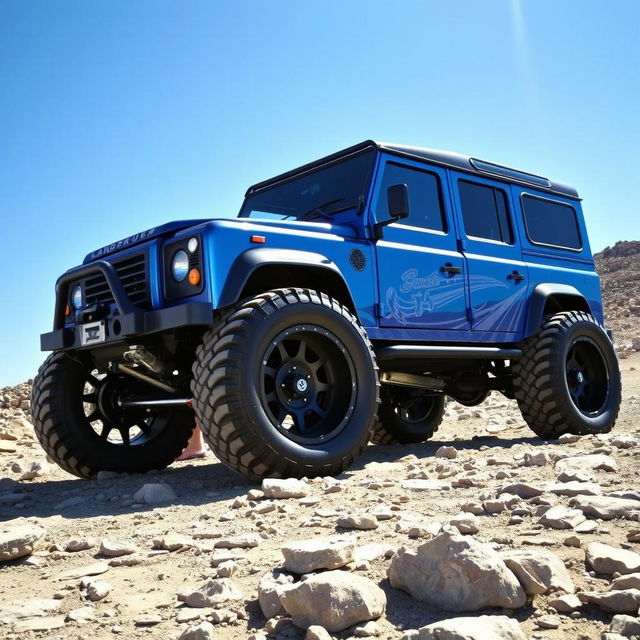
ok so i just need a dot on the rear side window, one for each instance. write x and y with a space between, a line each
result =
485 212
551 223
425 202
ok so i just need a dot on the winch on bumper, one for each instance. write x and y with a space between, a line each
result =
96 326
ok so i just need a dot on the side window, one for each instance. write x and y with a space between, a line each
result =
425 201
551 223
485 212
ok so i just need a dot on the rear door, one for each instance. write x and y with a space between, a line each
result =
497 276
420 271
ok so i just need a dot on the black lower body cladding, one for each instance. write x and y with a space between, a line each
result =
286 385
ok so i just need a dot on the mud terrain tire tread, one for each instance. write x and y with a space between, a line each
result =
53 424
219 399
539 379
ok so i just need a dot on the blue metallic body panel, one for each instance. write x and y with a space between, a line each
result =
226 239
413 290
401 294
497 302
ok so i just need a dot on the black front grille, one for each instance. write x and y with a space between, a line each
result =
133 274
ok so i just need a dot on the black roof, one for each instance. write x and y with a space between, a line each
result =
435 156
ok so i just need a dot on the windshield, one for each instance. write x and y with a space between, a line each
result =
318 193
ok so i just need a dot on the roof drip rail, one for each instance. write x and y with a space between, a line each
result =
507 172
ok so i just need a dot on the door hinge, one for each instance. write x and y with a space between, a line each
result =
470 315
377 310
460 245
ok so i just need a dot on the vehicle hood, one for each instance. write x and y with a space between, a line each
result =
143 236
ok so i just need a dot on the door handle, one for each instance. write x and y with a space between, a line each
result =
449 268
516 276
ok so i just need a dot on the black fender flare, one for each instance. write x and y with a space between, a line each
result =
541 295
247 262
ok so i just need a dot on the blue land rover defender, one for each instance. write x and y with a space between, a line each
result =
348 298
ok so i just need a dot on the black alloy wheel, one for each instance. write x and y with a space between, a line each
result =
308 384
102 402
587 377
568 379
408 415
79 421
286 385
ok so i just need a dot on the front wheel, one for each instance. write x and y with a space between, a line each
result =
408 415
286 386
80 424
568 379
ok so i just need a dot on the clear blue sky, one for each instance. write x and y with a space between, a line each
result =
119 115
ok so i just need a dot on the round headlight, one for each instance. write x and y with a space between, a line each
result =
180 265
76 297
193 245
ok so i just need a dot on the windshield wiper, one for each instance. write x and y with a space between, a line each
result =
317 211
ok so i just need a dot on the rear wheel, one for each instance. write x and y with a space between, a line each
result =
79 421
286 385
568 379
407 415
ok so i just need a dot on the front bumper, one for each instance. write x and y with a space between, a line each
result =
130 322
131 325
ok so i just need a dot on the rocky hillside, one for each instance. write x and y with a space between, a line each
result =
619 269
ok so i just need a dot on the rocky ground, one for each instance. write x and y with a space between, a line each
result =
483 532
544 538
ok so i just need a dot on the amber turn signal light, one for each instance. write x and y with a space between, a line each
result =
258 239
67 310
194 277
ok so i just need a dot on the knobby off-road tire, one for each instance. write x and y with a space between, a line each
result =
568 379
286 386
69 424
407 415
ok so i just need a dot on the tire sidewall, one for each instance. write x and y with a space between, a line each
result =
591 330
342 444
94 453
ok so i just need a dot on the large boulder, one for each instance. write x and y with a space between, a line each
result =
456 573
155 493
334 600
478 628
605 559
19 541
605 507
623 601
561 517
211 593
13 610
284 488
538 571
305 556
626 626
272 586
589 462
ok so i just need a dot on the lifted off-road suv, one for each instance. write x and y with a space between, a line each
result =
348 298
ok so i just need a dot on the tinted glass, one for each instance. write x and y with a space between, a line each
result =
330 188
551 223
485 212
425 203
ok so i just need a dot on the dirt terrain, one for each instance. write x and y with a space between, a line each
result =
216 524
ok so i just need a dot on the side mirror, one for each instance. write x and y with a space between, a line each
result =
398 203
